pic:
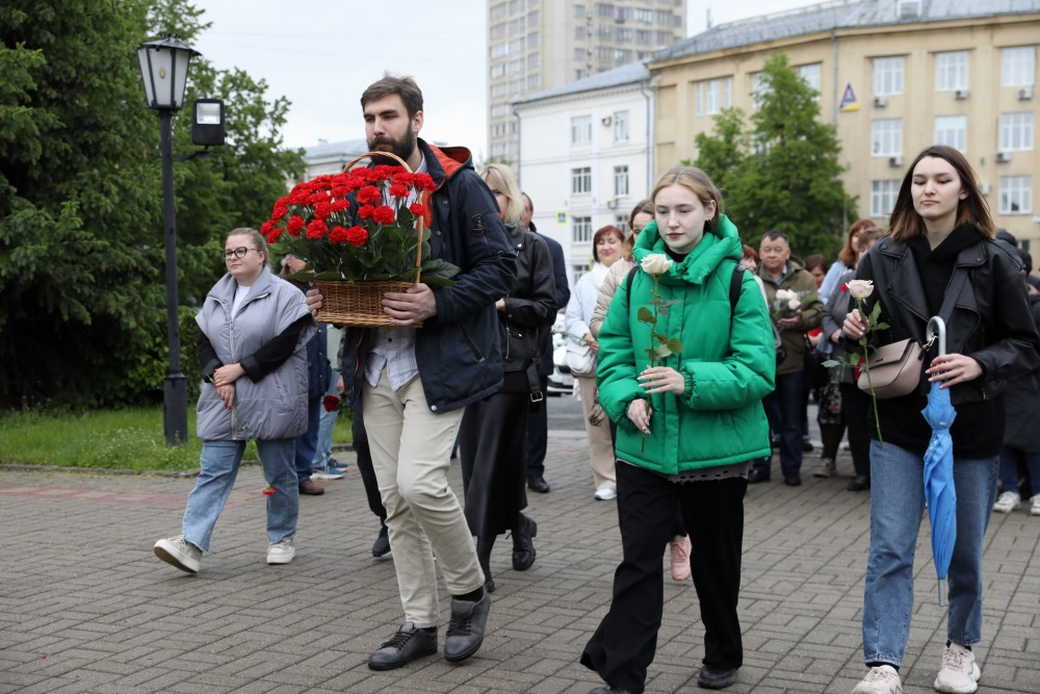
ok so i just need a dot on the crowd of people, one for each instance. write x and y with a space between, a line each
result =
695 356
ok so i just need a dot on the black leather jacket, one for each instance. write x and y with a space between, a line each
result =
991 320
530 303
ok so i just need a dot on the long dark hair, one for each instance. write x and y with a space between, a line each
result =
905 223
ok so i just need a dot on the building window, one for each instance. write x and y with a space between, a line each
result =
581 230
579 33
758 88
951 71
883 197
581 130
1018 66
581 73
620 120
532 61
888 75
581 181
604 9
498 70
886 137
621 222
579 54
534 81
500 110
1016 131
579 11
1016 194
620 181
952 131
714 95
812 75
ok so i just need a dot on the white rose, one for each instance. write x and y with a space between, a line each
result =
860 289
785 295
656 264
794 304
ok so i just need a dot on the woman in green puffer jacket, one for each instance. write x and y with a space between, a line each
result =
689 422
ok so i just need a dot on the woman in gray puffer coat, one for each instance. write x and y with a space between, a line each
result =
253 327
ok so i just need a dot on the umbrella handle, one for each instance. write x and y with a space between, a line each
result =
937 329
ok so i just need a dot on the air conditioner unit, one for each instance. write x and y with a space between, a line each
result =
606 120
612 203
1025 93
985 188
895 161
880 102
960 94
1003 157
1036 219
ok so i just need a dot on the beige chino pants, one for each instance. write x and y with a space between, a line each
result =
411 453
601 449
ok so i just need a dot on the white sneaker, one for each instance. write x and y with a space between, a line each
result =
880 679
605 494
321 475
1034 508
959 673
1007 502
825 468
176 551
281 552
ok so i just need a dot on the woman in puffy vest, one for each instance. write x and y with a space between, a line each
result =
253 328
686 356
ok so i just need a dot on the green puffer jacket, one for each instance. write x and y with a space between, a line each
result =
729 365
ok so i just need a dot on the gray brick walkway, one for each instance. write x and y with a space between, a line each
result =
86 607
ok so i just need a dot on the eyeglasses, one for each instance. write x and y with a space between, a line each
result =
239 252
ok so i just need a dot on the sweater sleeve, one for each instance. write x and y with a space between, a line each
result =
273 354
614 279
616 364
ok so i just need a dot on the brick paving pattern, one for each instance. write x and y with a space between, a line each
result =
86 607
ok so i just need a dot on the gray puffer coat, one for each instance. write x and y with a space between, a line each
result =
275 407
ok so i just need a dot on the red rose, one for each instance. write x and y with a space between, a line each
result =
384 214
330 402
844 288
323 209
317 229
294 225
369 195
267 491
365 211
399 191
357 236
279 210
417 208
340 205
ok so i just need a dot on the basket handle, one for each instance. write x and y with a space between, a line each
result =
420 225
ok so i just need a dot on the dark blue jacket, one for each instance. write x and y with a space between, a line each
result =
319 371
563 294
457 351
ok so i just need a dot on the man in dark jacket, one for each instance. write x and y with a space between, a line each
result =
414 383
538 424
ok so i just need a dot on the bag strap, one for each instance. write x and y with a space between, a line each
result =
952 292
628 283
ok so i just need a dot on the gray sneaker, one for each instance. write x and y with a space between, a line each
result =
825 468
281 552
176 551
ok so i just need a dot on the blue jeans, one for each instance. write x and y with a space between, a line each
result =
219 462
896 507
784 409
1009 477
326 425
307 442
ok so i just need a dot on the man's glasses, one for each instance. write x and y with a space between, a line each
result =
239 252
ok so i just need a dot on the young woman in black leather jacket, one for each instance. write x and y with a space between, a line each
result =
494 430
940 242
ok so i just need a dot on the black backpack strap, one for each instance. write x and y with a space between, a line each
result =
628 283
734 287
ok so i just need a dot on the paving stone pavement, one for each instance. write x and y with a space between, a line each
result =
86 607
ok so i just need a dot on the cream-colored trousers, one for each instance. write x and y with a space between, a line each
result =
601 450
411 453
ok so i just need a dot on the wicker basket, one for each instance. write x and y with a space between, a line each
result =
361 303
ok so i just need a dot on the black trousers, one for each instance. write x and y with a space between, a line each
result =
364 465
855 407
624 645
538 433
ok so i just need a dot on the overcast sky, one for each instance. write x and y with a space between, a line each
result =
321 54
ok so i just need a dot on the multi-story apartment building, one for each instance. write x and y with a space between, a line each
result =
534 45
585 156
894 76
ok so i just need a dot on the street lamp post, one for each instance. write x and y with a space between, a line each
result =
164 69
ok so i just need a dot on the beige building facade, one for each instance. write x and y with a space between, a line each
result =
535 45
894 76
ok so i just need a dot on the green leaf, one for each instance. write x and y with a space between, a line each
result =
652 354
659 337
645 315
675 346
304 276
437 281
875 313
882 326
328 275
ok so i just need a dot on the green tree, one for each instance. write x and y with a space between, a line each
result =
784 173
82 304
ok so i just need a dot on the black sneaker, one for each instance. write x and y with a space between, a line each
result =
537 483
608 690
523 546
758 475
466 629
408 644
710 678
381 547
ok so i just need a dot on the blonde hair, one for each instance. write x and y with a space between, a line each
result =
501 178
697 182
258 239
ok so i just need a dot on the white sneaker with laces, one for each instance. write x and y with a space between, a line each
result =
1007 502
880 679
959 673
605 494
1034 508
281 552
176 551
322 475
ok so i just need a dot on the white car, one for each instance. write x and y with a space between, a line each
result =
560 380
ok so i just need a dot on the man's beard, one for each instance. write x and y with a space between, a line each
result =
403 148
